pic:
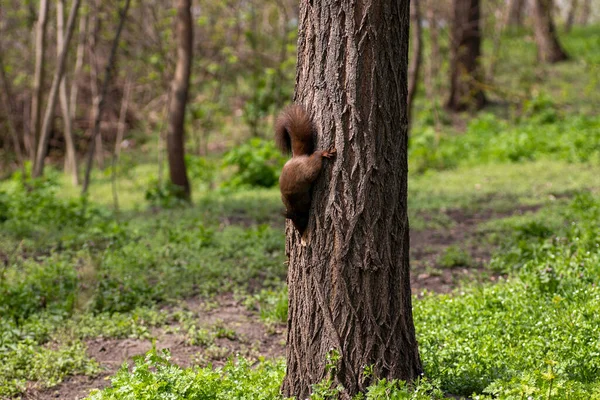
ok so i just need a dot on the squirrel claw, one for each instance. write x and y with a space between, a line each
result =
330 153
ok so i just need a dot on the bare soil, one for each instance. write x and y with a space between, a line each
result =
253 338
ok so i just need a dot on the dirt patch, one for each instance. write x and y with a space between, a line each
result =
427 248
252 338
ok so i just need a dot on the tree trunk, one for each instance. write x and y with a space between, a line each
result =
349 287
99 105
78 66
38 78
584 15
179 96
515 13
465 78
571 15
434 57
70 159
414 67
549 49
7 99
38 168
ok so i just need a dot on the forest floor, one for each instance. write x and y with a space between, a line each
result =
254 338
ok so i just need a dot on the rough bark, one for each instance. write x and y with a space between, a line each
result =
38 78
466 75
70 159
99 107
38 167
549 49
179 96
349 287
515 13
414 68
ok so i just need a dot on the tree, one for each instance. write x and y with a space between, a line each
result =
38 78
414 67
586 10
433 65
549 49
70 159
571 15
515 12
179 96
349 287
99 105
465 88
38 167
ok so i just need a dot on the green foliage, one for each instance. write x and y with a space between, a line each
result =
501 339
272 305
28 361
542 133
155 377
30 208
29 287
454 256
200 169
165 194
257 163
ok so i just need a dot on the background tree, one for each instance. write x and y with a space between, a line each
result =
571 15
179 96
38 167
414 67
515 12
349 288
99 104
67 117
549 49
584 14
465 71
38 78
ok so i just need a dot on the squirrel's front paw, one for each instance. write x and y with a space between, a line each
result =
330 153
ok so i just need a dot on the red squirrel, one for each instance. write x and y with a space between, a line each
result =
294 131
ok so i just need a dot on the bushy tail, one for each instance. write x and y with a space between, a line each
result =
294 131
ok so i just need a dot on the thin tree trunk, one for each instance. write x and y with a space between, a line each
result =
78 66
179 96
584 15
434 58
515 13
465 69
119 140
349 286
500 26
38 78
38 168
414 68
7 104
100 107
70 159
571 15
549 49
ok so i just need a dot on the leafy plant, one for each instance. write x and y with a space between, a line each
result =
257 163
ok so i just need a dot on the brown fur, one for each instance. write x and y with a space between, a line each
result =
294 131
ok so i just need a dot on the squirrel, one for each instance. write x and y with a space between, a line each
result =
294 131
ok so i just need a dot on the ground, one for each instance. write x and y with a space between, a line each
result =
254 338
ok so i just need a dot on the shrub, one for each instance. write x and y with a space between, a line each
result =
257 164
